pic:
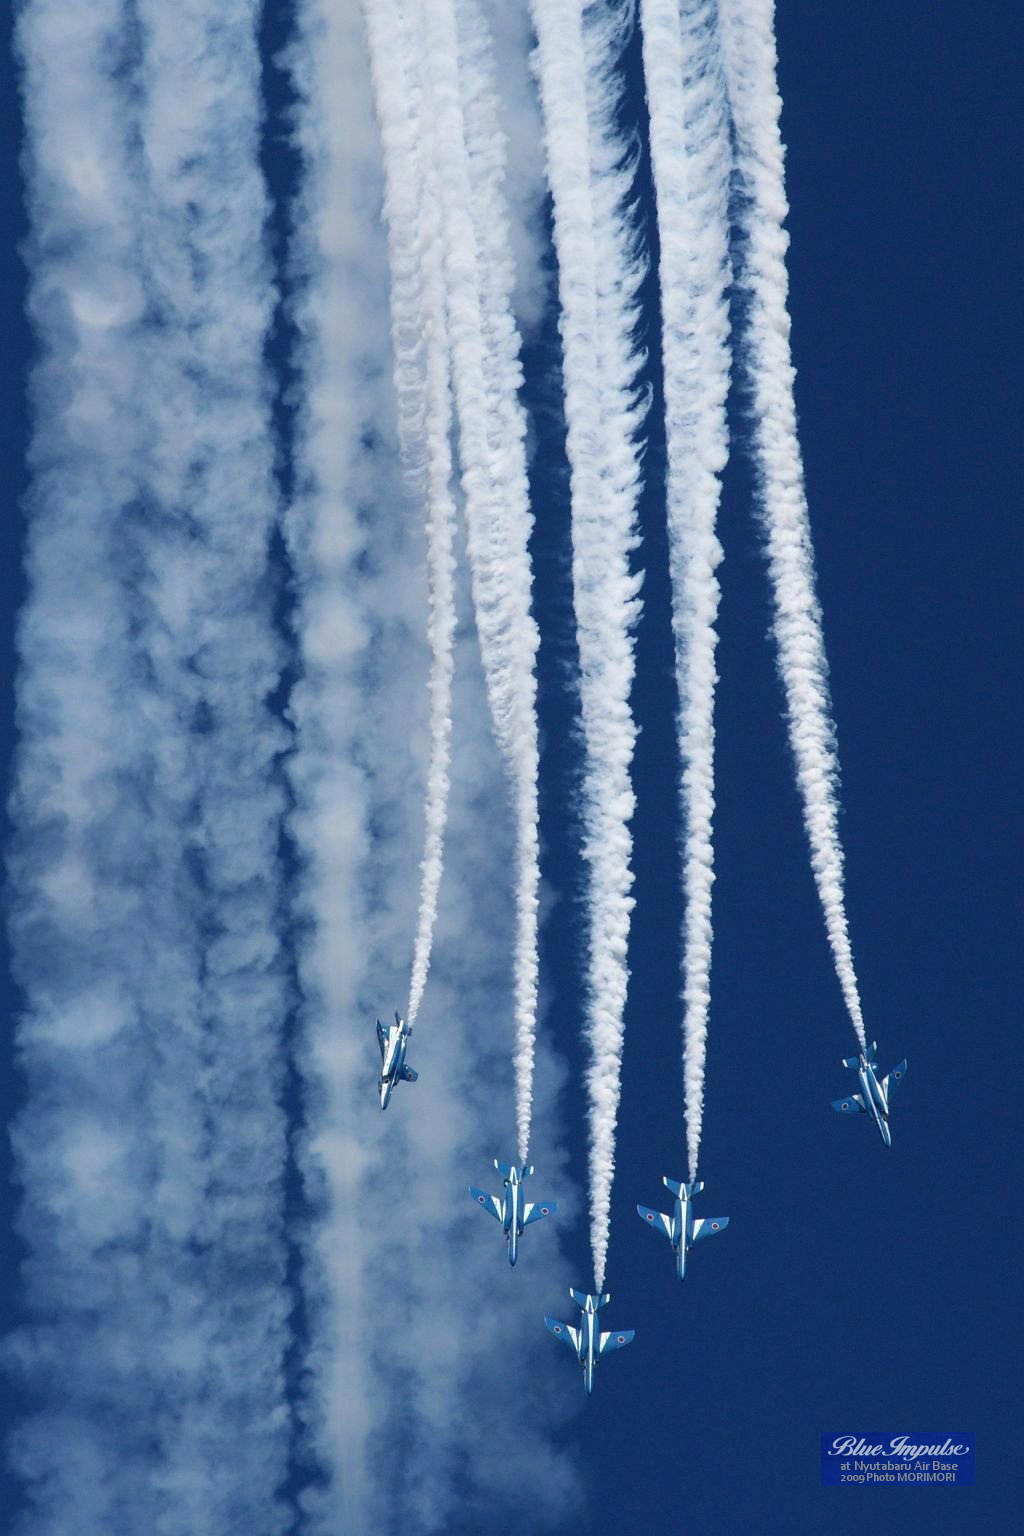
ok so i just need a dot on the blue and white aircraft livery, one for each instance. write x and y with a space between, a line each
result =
394 1042
682 1228
511 1210
874 1096
587 1344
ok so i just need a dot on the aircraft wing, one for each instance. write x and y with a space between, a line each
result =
382 1039
487 1202
610 1341
708 1226
409 1075
565 1332
895 1077
851 1105
657 1220
537 1211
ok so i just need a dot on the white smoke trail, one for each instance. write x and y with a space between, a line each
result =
748 44
394 1343
467 152
599 271
151 1149
691 161
422 383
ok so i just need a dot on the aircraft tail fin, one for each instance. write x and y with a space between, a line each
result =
851 1061
672 1184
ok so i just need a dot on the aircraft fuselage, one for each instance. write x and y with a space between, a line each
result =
513 1215
874 1097
588 1346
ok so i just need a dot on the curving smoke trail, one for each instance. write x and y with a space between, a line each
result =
590 170
466 150
748 46
147 802
423 389
691 163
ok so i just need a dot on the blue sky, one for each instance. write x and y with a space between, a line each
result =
855 1288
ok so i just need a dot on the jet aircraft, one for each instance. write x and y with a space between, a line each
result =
511 1210
682 1228
394 1042
587 1344
873 1098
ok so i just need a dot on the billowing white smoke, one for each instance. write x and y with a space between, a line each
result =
409 1297
465 147
691 161
147 809
748 45
590 175
422 366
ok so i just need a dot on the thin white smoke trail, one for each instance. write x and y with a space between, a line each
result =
590 174
422 382
467 151
151 1149
691 161
748 44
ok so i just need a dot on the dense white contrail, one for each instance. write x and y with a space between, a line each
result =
392 1342
748 46
590 175
151 1148
423 387
466 151
691 161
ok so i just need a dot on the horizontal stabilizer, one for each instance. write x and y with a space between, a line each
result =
853 1105
503 1169
895 1077
563 1331
671 1184
581 1298
538 1211
708 1226
409 1075
851 1061
488 1202
656 1219
610 1341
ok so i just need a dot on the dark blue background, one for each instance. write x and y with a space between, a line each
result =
854 1285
